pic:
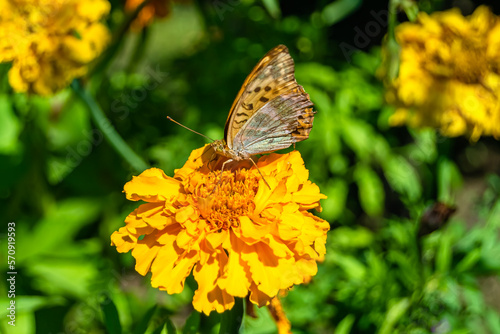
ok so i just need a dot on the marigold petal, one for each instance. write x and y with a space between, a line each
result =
126 237
266 196
209 296
152 214
171 269
184 214
307 268
250 232
236 280
216 239
144 253
258 297
308 196
152 185
268 271
123 241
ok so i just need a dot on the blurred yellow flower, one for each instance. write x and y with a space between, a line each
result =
449 74
50 42
235 234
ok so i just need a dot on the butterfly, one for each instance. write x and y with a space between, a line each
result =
271 111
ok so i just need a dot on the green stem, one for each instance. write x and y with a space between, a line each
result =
108 130
231 319
391 45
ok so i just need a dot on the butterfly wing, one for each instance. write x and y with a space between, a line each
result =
278 124
271 77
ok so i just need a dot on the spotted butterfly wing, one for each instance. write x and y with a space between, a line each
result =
271 111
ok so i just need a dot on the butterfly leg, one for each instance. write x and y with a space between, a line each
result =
263 178
221 170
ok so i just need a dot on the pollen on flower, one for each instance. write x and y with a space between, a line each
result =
232 195
237 236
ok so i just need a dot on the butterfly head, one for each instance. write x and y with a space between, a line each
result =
220 147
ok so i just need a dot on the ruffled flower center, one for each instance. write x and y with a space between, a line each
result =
232 198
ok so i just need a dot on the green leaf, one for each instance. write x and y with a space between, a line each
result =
71 130
493 321
402 177
231 319
10 127
317 74
494 215
170 327
192 323
345 325
371 190
29 304
159 329
111 318
424 149
348 238
449 180
336 190
70 277
469 260
338 164
359 137
395 312
273 8
444 254
473 299
354 268
57 228
143 326
338 10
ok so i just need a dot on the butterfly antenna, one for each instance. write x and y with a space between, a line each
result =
185 127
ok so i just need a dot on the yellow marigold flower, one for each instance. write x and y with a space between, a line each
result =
235 234
50 42
449 75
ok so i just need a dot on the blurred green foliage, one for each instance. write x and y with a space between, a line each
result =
62 181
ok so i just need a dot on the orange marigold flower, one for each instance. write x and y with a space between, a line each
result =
50 42
449 74
235 234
